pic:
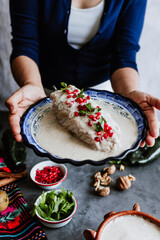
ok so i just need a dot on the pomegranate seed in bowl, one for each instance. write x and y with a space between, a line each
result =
48 175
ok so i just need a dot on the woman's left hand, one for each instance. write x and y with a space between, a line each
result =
148 104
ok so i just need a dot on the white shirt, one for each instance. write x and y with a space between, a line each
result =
84 24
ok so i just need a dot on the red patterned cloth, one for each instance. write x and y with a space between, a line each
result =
16 221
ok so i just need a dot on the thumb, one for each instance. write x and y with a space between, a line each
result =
13 100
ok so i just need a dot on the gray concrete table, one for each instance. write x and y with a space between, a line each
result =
91 207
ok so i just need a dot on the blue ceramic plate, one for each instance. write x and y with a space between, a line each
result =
32 116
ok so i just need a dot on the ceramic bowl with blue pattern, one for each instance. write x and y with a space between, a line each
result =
31 118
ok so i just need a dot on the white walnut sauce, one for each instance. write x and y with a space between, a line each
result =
58 141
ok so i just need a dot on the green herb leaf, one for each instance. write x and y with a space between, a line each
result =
89 107
83 112
64 85
41 212
96 110
98 128
44 207
42 199
64 193
80 95
102 122
55 206
118 162
100 125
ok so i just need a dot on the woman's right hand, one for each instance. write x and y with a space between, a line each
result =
18 103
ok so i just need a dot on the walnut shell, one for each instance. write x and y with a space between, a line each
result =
123 183
104 191
110 170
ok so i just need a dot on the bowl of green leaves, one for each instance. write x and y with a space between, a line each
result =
55 208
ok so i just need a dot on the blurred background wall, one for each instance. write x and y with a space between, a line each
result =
148 58
7 84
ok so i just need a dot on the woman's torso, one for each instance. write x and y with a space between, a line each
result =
91 64
86 66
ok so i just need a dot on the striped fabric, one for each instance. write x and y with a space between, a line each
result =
16 221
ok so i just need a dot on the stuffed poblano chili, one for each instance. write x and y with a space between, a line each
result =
143 155
15 151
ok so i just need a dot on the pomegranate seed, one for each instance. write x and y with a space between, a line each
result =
105 135
106 124
90 123
49 175
67 91
111 134
71 103
97 139
98 113
80 100
74 96
77 100
69 96
98 117
109 128
75 91
108 131
91 116
105 128
68 102
97 107
76 114
79 107
99 133
94 119
84 100
88 97
102 138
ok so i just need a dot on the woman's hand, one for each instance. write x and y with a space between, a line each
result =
18 103
148 104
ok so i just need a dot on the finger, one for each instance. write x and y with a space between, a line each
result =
152 122
142 144
15 126
18 138
13 100
150 141
153 101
